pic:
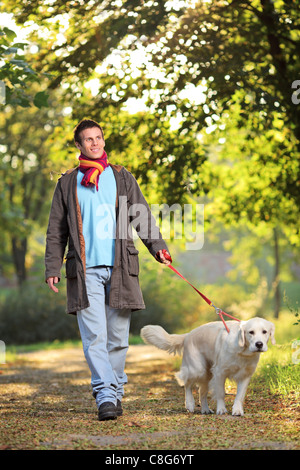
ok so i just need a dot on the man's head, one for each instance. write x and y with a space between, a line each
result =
89 138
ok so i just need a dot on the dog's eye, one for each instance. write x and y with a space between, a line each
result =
251 332
265 332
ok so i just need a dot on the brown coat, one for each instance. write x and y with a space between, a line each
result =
65 227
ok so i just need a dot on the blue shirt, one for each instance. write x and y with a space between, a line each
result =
98 212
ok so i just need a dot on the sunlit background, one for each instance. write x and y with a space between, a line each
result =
195 99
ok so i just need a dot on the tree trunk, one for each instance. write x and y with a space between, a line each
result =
276 282
19 249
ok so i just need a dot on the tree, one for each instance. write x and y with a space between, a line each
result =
70 53
223 69
25 169
197 62
251 173
16 75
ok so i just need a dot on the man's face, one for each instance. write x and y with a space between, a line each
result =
92 143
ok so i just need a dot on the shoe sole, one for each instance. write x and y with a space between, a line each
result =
107 416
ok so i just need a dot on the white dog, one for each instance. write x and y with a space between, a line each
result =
211 354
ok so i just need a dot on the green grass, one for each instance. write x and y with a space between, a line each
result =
13 351
280 371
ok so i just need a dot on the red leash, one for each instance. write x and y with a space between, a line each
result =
218 310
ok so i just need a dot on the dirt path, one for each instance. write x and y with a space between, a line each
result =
46 403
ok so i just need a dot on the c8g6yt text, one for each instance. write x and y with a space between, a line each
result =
169 459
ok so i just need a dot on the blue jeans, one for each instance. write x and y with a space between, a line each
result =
104 333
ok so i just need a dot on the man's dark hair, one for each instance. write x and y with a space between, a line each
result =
85 124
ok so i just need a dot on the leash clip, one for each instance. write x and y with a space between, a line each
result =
217 309
220 312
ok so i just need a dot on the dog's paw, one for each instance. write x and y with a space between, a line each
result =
190 409
237 410
206 411
222 411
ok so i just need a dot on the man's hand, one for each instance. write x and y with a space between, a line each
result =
51 281
163 257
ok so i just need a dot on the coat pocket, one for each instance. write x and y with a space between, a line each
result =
133 260
71 270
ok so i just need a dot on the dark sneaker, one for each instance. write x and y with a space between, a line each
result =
107 411
119 408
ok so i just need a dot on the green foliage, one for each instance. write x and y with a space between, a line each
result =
294 309
218 123
255 176
17 74
209 66
108 24
29 162
34 314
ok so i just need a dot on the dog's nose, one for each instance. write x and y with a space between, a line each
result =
259 344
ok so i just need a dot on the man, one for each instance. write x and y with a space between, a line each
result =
92 211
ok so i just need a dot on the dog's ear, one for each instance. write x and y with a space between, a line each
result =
272 333
241 337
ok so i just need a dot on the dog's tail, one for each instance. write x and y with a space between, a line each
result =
156 335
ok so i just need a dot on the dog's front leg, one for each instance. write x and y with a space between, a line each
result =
237 409
189 399
219 392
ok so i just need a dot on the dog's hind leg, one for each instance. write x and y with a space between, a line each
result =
189 399
203 391
182 379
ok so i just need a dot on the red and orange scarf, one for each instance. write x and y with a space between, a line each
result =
92 169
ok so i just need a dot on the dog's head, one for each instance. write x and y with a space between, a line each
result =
255 333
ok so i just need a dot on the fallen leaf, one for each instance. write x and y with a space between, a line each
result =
134 424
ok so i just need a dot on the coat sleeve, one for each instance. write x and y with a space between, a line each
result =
57 235
142 219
